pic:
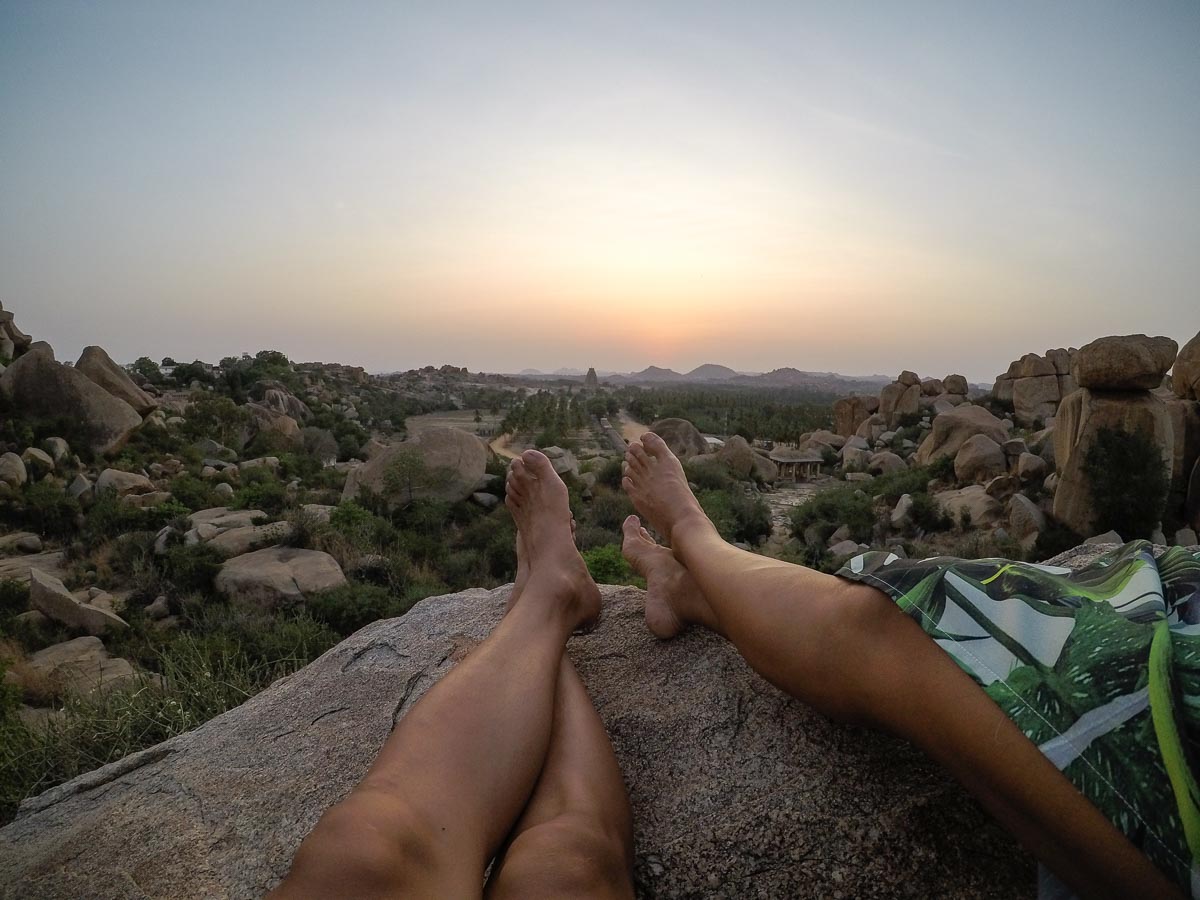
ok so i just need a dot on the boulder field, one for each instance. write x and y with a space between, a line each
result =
737 789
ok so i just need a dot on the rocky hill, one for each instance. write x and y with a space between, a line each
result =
737 790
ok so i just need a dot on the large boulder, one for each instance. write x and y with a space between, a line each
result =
736 789
12 470
35 387
898 401
1035 399
123 483
439 464
738 457
848 414
953 429
81 666
979 459
1080 418
1185 376
684 439
98 366
278 576
1124 363
285 403
50 597
955 384
265 419
237 541
981 507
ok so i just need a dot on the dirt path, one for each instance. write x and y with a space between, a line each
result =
501 448
630 430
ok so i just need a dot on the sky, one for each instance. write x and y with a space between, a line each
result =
852 187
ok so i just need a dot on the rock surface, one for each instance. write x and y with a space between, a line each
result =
277 576
48 595
1185 376
737 790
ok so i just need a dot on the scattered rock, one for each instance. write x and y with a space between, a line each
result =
237 541
1025 519
844 548
982 508
12 470
59 449
270 463
224 518
224 490
738 457
1030 467
37 462
1186 537
956 384
953 429
81 666
123 483
885 462
81 488
1122 363
278 576
1003 486
979 459
848 414
901 516
99 367
563 461
1109 537
159 609
48 595
487 501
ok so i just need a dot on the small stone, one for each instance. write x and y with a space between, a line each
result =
1109 537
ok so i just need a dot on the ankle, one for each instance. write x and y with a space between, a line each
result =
691 523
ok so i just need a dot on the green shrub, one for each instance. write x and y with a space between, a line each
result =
192 568
611 473
927 515
610 508
260 489
48 509
1054 539
608 566
829 510
709 476
192 492
14 600
348 608
1127 481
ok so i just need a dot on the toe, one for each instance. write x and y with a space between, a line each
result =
655 446
637 456
537 464
627 484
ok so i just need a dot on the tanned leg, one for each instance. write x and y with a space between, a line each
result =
459 769
847 650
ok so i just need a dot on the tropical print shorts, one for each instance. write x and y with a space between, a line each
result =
1099 667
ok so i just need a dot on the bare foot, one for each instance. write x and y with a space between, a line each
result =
522 577
539 504
673 599
655 481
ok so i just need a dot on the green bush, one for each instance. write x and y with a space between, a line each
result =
48 509
611 473
736 515
260 489
192 568
610 508
192 492
1127 481
348 608
709 476
608 566
14 600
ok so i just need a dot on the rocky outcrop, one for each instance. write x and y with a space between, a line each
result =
972 503
736 789
99 367
1035 385
35 387
440 464
738 457
277 576
1128 362
123 483
1080 418
850 412
979 459
1185 376
684 438
80 666
953 429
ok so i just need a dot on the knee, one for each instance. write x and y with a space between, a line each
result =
566 857
360 850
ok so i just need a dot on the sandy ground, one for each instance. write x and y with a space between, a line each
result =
630 430
463 419
500 446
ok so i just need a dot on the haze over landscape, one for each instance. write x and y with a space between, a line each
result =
542 187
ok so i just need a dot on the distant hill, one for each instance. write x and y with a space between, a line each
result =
711 372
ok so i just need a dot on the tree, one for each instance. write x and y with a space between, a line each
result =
1127 481
148 369
407 474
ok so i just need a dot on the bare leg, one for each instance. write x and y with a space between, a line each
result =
456 774
846 649
575 838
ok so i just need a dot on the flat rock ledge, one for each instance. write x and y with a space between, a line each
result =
737 790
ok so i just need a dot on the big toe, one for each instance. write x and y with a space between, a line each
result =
537 463
655 445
